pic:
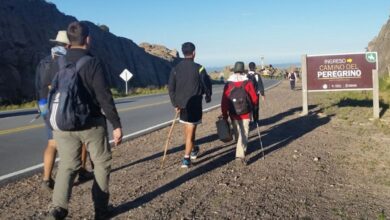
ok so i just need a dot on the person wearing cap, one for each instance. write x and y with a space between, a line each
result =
240 121
45 72
187 84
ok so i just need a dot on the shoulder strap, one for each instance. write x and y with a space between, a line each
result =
83 60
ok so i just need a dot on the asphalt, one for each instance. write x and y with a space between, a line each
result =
22 142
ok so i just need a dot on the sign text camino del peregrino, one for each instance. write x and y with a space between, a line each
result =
340 72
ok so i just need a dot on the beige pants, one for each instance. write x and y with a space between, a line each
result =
69 149
241 132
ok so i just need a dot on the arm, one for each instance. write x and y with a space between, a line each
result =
172 87
225 102
104 98
260 85
206 84
252 93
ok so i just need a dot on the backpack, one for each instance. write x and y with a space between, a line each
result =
68 105
239 101
292 76
252 78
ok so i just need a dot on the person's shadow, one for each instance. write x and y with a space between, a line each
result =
274 138
282 134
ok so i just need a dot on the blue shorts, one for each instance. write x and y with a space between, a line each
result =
48 131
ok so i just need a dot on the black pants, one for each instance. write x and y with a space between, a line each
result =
256 111
292 84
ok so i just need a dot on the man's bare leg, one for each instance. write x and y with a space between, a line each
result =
49 157
190 130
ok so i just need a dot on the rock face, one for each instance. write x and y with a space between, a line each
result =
381 44
160 51
25 29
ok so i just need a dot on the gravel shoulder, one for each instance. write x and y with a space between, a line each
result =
321 166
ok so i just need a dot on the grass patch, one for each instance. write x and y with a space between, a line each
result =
382 215
139 91
26 105
115 93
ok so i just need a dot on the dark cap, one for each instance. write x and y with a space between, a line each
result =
239 67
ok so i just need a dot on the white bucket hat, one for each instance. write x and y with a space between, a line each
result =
61 38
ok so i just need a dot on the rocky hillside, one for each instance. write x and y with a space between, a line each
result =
381 44
160 51
25 29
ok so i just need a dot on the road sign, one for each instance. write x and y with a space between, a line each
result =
340 72
126 76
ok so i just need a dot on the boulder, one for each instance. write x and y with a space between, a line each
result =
381 44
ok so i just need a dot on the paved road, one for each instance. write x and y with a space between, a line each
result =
22 143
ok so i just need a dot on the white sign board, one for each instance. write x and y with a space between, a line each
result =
126 75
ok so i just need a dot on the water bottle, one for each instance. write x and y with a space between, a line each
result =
42 105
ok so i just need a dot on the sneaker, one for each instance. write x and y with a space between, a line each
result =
194 153
85 175
47 185
57 213
185 163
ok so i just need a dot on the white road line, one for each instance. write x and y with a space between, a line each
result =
126 137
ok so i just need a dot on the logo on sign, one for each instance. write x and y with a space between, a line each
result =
371 57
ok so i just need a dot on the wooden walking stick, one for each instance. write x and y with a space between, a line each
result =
169 137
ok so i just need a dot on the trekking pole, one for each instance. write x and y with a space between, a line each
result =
169 137
261 143
35 118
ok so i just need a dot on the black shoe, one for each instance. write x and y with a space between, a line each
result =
85 175
106 214
194 152
57 213
47 185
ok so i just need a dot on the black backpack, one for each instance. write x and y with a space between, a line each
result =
252 78
68 104
239 100
292 76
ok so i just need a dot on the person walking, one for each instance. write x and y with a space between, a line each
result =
188 82
255 78
45 72
292 76
238 97
93 133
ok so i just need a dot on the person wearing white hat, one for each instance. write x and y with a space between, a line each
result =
45 72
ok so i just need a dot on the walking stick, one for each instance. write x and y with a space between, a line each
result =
261 143
169 137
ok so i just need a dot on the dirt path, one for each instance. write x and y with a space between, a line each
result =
316 167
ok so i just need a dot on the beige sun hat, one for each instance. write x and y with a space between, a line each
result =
61 38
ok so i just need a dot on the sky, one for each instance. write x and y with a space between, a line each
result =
225 31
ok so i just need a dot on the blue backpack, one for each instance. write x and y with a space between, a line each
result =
68 104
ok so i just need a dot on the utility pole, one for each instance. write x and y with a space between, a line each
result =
262 62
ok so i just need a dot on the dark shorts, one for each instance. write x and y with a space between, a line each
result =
192 114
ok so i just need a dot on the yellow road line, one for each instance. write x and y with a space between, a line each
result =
29 127
14 130
142 106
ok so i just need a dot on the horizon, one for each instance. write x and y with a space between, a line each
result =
227 31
